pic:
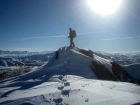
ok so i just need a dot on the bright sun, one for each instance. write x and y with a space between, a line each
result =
104 7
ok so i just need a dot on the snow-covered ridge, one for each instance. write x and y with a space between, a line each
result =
81 62
72 62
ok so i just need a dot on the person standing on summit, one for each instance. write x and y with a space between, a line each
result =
72 34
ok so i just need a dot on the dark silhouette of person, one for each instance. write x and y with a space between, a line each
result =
71 38
56 55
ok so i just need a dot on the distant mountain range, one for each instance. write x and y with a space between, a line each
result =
121 58
7 61
12 53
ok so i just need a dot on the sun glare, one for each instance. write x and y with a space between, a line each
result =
104 7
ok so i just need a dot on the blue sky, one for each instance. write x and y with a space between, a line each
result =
43 25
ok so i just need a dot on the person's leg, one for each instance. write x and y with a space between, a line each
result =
70 42
73 43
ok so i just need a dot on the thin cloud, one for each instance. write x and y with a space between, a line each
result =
95 32
120 38
59 36
43 37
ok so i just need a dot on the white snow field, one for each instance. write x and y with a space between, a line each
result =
68 80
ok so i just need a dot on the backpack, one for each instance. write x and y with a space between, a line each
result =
73 33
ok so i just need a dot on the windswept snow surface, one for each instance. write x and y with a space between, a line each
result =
67 81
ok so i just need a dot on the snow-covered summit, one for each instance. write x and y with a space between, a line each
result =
71 62
83 62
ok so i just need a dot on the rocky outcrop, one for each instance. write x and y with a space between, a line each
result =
120 73
86 52
102 72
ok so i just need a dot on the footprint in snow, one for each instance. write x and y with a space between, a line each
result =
60 77
59 100
65 92
86 100
64 80
60 88
66 84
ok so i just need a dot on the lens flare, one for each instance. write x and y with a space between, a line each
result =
104 7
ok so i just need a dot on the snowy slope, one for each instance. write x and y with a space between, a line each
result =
68 80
